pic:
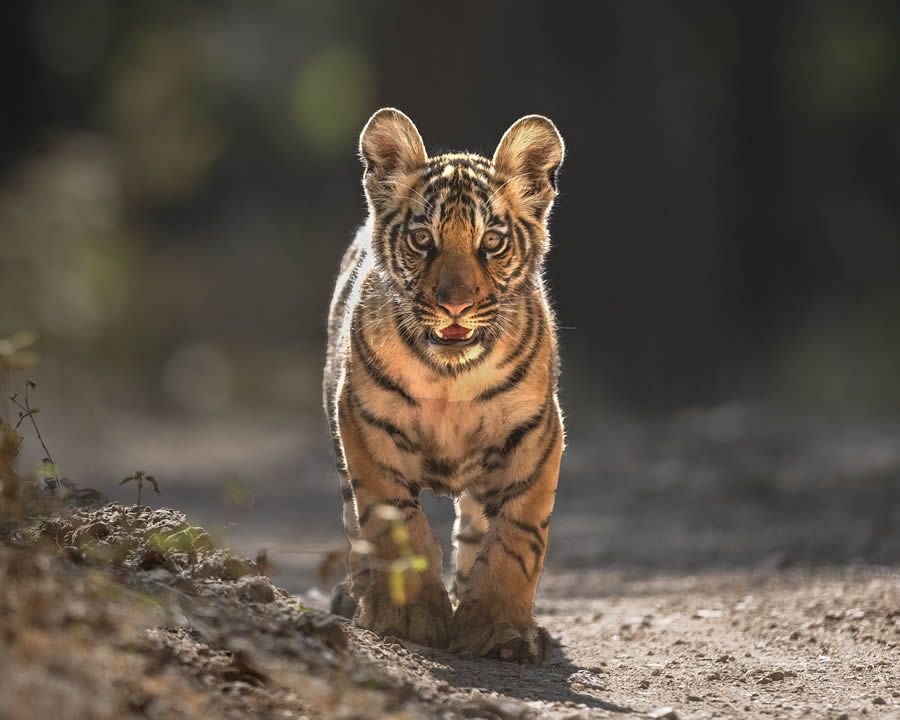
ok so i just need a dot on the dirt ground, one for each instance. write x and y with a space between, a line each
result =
730 563
128 612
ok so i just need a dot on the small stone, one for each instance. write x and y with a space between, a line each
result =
644 684
656 672
694 698
255 589
706 613
795 635
664 713
879 701
588 679
843 716
776 675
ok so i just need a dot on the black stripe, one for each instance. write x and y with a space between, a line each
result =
526 337
369 364
401 503
444 468
495 456
389 248
522 257
517 375
438 487
346 493
398 477
527 527
364 518
545 523
400 439
523 486
470 539
513 554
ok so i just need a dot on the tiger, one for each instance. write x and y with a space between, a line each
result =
442 373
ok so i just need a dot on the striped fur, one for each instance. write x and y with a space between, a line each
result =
454 239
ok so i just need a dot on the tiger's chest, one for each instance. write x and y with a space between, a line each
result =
453 432
452 436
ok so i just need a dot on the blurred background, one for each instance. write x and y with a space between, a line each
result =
178 182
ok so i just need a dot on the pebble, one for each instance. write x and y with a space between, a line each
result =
705 613
664 713
879 701
588 679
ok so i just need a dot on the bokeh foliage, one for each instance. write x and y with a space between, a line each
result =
177 182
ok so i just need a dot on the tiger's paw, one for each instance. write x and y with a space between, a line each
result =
483 636
342 602
425 620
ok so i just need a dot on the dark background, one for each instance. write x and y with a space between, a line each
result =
179 180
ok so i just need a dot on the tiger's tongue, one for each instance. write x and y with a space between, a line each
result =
454 332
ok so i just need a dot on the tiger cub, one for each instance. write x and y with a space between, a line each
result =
442 374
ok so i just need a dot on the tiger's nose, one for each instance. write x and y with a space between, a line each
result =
455 309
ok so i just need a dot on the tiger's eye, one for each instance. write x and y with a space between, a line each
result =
493 241
421 239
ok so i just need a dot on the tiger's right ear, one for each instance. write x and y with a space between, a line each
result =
390 147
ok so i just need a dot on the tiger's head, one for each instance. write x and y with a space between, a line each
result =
459 237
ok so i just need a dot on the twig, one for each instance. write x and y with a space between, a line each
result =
26 411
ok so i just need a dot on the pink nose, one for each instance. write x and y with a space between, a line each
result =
455 309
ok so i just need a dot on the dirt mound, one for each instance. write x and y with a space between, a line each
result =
116 611
125 611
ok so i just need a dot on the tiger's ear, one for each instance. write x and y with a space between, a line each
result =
529 156
390 147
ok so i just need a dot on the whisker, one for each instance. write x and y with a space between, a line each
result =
514 177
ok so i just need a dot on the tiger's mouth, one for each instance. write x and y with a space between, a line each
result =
453 335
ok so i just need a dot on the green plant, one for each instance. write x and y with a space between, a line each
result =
140 477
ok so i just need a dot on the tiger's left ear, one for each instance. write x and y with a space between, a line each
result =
530 155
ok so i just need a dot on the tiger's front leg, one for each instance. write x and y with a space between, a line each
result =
495 616
419 608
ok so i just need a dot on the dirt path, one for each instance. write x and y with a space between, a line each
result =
744 645
727 563
125 612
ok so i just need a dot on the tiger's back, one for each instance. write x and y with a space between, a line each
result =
441 374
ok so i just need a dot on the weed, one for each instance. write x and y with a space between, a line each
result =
48 467
140 477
